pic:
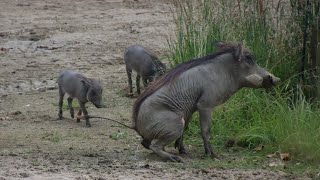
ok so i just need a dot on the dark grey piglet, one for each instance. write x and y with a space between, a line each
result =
164 110
146 64
84 89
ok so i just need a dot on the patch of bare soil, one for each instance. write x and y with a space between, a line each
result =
38 39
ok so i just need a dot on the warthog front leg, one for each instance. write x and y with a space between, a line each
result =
129 74
205 123
61 95
79 114
138 83
70 107
85 113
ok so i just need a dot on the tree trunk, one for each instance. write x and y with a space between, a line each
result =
315 58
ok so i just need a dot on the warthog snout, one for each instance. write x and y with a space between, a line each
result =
270 81
257 81
273 79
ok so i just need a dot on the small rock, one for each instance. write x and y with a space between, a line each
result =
51 87
41 89
282 173
24 175
277 164
54 60
109 62
4 49
147 166
14 113
204 171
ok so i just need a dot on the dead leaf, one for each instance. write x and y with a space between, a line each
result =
285 156
272 155
259 148
276 164
14 113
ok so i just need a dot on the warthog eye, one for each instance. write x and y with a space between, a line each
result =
249 59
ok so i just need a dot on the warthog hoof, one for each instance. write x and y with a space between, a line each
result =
88 125
182 151
174 158
146 143
209 151
180 147
60 117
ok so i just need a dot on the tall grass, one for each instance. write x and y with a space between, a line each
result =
283 119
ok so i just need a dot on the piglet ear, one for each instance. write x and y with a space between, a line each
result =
239 51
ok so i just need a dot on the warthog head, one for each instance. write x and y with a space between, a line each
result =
250 73
94 93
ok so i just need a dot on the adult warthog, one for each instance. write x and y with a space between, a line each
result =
164 110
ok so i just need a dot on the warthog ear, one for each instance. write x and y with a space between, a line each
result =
239 51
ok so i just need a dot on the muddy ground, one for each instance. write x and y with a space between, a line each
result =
38 39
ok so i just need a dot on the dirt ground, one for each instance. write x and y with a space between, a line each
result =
38 39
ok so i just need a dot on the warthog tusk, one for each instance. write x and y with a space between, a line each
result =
255 79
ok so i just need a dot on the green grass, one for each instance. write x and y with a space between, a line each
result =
119 135
253 117
75 105
54 136
281 119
